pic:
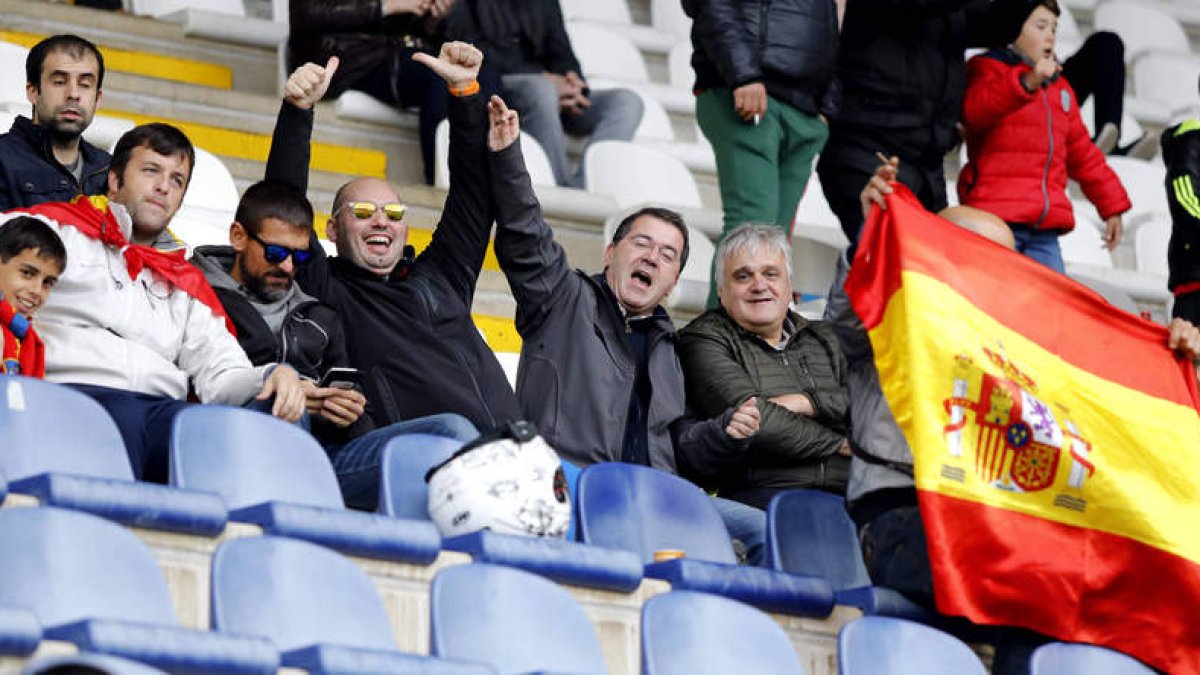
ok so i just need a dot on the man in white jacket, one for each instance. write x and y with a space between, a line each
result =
131 322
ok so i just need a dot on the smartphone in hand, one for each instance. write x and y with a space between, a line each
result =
340 378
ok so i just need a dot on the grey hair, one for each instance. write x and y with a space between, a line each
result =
753 238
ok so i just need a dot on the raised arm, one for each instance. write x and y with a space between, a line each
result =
460 241
535 265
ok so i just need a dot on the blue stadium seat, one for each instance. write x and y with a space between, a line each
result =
809 532
88 663
881 645
62 448
687 633
404 493
1061 658
318 608
276 475
516 621
644 510
20 631
93 583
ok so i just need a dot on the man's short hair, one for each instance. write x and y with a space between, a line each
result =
74 45
162 138
26 232
273 199
666 215
753 238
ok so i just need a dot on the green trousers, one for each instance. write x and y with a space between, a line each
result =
762 168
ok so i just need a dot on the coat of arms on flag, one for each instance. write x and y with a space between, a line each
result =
1012 439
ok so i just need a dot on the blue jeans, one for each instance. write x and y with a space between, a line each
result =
1041 245
614 115
358 463
745 524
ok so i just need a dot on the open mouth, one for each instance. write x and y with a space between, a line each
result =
25 306
378 243
641 278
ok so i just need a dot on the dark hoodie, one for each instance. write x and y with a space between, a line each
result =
309 336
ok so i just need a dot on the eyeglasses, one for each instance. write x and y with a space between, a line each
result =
277 253
364 210
645 244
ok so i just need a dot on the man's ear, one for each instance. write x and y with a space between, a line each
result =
31 93
331 230
114 183
238 236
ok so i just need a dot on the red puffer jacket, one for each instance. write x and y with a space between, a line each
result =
1022 147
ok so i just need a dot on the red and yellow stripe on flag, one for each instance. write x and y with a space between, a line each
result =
1056 439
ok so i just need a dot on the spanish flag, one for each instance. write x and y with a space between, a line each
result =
1056 439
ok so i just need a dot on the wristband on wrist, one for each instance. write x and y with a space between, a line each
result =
468 90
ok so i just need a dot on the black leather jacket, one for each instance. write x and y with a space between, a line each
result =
790 46
29 173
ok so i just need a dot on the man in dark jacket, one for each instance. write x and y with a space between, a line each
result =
279 323
754 348
1181 152
45 159
375 41
599 374
408 321
526 41
764 90
902 75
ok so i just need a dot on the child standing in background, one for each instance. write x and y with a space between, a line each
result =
1025 137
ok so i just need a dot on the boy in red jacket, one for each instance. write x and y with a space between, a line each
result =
1025 137
31 259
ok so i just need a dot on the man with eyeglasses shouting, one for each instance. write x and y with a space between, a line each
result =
254 277
408 320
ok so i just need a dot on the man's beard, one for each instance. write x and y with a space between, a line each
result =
257 286
66 132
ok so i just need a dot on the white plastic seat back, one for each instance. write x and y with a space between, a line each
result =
679 66
656 123
1145 182
104 131
1142 27
1084 245
536 161
600 11
603 53
161 7
12 77
6 120
209 204
1167 79
668 16
1150 247
815 220
1068 39
632 174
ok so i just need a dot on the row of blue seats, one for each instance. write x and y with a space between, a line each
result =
277 601
228 463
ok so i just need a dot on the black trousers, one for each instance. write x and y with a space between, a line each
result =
1098 69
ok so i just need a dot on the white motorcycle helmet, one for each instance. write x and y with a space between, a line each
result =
509 481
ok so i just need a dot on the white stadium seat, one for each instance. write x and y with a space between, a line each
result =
12 78
633 174
1142 27
536 161
1166 83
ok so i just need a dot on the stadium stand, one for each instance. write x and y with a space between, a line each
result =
316 607
644 510
879 645
1059 658
92 583
63 449
686 633
275 475
221 85
516 621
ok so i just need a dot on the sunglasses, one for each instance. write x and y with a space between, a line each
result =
276 254
364 210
